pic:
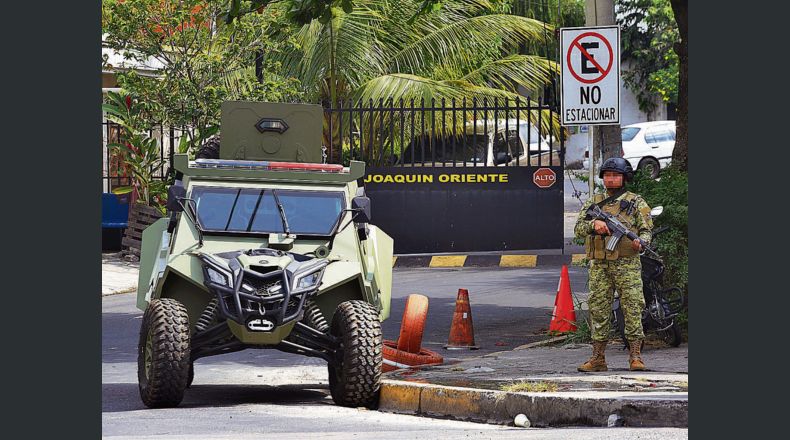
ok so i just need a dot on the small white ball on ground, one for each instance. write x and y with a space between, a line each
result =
522 421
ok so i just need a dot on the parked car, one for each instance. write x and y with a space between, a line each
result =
483 145
647 146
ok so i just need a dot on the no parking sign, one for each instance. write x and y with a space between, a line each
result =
590 75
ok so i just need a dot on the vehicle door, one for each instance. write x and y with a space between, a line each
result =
660 141
506 149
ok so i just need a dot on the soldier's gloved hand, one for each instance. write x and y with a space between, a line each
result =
601 228
636 245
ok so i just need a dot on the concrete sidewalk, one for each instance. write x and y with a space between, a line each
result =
117 275
543 384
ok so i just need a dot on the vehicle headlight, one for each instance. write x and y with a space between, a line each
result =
308 280
218 277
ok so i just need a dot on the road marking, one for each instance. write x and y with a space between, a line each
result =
518 261
447 261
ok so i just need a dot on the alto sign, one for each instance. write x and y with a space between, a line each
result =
590 61
544 177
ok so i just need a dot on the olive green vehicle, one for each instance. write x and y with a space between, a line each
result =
265 247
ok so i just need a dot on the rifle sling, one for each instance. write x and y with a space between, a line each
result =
600 204
619 192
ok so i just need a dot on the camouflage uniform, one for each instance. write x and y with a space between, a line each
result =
619 269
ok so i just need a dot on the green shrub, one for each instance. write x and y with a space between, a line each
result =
671 192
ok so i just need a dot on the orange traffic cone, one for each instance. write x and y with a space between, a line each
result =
462 334
563 318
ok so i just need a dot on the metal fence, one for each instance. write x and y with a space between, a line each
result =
114 174
400 133
465 133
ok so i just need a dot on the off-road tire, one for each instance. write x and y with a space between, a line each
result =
209 150
356 379
191 375
164 346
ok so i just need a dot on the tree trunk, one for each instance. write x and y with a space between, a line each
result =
333 140
609 141
680 154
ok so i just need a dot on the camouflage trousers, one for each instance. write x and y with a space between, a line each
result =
625 276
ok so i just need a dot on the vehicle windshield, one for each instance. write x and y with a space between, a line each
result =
255 210
629 133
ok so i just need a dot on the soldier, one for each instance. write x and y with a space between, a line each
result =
619 269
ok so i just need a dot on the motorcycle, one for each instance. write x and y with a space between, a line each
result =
662 305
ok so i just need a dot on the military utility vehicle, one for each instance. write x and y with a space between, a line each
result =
265 247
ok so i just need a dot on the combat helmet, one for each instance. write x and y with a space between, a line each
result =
617 164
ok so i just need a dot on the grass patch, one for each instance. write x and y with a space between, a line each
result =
584 262
539 387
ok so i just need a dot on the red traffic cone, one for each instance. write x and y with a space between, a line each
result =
462 334
563 318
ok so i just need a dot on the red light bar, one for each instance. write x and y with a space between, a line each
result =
297 166
265 165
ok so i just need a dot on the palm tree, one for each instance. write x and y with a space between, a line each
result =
379 49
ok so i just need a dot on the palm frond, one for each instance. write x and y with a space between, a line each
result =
456 43
358 54
428 92
529 71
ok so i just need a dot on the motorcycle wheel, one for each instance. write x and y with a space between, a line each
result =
672 335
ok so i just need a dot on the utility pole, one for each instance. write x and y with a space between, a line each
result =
603 139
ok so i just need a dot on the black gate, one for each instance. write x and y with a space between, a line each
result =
457 176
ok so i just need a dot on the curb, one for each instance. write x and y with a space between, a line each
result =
485 260
542 409
120 292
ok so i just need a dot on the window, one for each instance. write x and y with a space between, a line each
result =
255 210
629 133
511 147
660 135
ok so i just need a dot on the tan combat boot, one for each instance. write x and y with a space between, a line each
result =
598 361
635 359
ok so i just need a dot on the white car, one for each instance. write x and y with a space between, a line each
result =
647 146
485 145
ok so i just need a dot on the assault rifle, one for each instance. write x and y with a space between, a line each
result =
617 229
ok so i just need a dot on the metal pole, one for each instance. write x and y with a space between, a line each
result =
591 180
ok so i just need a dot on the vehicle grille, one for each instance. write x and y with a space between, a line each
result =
265 288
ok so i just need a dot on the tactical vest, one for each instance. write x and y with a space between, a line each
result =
595 245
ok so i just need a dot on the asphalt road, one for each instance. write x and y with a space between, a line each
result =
267 391
510 307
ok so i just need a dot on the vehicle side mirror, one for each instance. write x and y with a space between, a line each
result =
655 212
174 193
361 206
502 157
